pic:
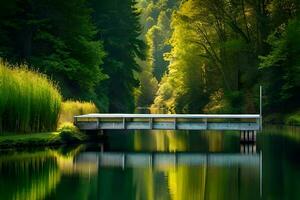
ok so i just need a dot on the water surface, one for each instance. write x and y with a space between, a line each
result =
158 165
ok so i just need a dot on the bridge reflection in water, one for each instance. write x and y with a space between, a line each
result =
157 160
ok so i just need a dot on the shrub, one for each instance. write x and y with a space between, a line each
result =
29 101
67 127
71 108
70 133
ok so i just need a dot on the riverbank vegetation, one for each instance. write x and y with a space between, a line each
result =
29 101
10 140
31 107
192 56
69 109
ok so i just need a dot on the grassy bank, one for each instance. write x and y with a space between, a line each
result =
291 119
29 101
35 139
31 109
67 133
11 140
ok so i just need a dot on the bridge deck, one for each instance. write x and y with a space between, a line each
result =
168 122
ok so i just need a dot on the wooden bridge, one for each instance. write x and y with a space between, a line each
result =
247 124
244 122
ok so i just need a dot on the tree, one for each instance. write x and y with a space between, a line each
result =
156 33
222 39
283 66
183 89
118 22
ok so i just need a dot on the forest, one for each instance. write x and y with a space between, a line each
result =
175 56
211 56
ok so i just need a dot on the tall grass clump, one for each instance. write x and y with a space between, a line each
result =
29 101
71 108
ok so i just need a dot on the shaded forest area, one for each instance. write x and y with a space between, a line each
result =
212 55
186 56
89 47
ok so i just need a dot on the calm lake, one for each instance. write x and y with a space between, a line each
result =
158 165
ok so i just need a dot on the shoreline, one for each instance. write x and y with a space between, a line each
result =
17 140
291 119
56 139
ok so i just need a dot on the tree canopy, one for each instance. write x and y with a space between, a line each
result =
188 56
221 51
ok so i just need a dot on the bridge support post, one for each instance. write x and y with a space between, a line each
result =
205 123
248 136
150 123
175 123
124 123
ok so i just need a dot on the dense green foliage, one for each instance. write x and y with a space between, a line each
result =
56 37
221 51
29 102
283 65
188 56
80 43
45 178
155 17
118 21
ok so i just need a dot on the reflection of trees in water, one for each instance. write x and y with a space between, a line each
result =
192 182
78 175
28 176
187 182
172 141
66 161
292 132
65 172
281 173
197 182
281 149
34 175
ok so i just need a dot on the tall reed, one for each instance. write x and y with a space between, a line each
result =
71 108
29 101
